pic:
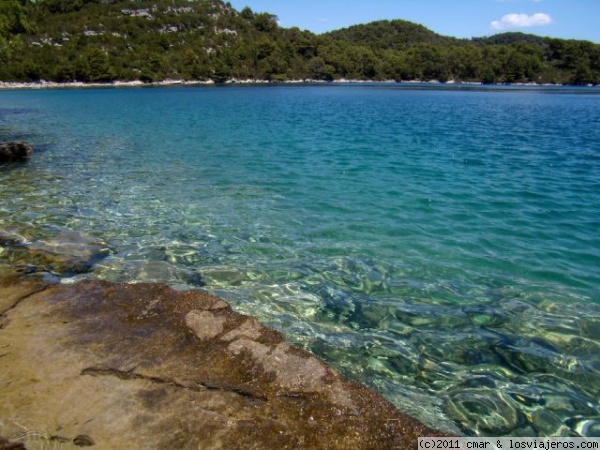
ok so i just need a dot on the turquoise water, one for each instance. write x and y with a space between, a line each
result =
441 245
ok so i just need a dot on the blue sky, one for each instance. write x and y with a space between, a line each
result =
568 19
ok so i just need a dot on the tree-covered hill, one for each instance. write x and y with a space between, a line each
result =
390 34
511 38
153 40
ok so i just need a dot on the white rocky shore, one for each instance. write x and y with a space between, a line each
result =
42 84
120 84
78 84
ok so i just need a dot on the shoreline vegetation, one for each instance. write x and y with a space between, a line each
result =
110 41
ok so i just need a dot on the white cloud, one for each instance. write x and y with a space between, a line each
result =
521 21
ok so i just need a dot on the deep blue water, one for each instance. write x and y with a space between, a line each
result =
441 245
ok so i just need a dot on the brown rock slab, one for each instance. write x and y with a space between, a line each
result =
13 290
142 366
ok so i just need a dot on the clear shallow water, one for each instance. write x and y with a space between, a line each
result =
439 245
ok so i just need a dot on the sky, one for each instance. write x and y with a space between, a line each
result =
567 19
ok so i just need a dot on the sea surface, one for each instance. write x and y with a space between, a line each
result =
439 244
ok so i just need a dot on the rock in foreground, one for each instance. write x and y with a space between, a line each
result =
142 366
15 151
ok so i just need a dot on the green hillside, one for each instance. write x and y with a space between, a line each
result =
391 35
153 40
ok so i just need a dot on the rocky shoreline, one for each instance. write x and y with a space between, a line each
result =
9 85
145 366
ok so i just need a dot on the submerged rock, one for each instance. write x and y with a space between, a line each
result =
145 366
149 271
14 151
491 413
67 253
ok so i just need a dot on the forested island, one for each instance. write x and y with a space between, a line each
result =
103 41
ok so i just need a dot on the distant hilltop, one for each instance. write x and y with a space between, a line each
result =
103 41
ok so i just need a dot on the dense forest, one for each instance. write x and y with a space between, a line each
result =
154 40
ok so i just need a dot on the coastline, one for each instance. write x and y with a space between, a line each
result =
9 85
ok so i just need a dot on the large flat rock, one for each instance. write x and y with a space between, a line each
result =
142 366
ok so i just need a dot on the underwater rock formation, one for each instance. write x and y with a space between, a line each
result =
14 151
